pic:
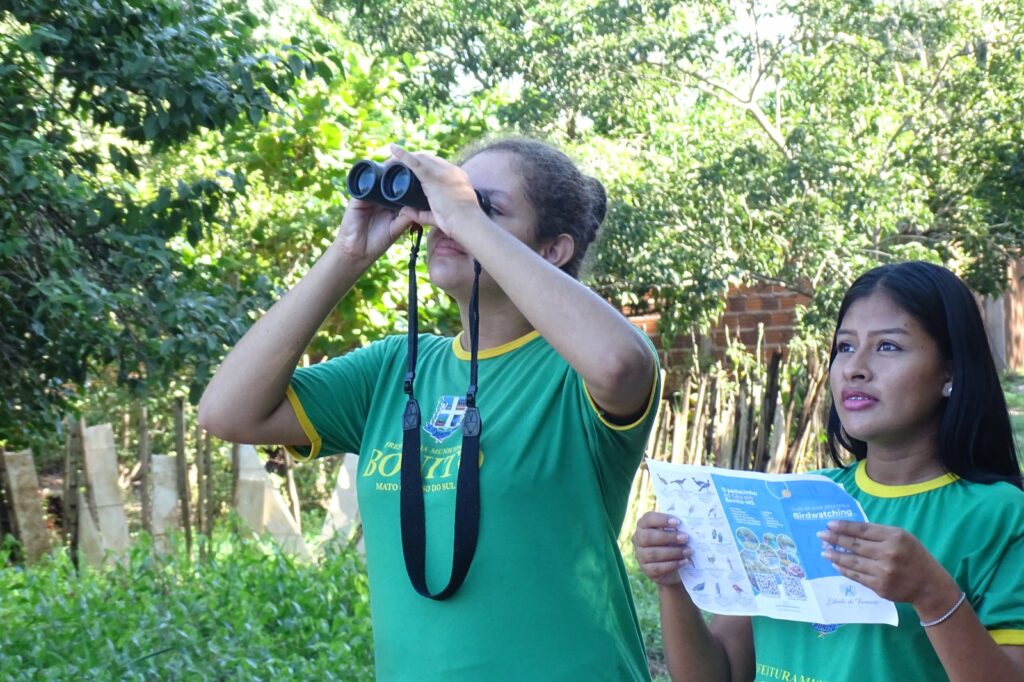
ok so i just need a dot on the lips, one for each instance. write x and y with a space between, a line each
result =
858 400
445 245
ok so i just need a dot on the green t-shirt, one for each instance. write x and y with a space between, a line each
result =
975 531
547 596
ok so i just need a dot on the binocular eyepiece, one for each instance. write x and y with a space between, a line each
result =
393 186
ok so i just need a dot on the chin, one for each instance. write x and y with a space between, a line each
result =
449 279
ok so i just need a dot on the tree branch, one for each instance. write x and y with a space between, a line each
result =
726 94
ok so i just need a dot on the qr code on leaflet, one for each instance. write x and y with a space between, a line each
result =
793 587
766 584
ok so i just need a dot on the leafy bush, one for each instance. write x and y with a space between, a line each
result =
248 611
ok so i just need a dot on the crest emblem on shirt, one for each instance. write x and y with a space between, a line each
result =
447 417
825 630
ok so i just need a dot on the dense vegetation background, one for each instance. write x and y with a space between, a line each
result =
167 169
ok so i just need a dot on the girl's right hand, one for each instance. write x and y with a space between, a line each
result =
368 230
661 548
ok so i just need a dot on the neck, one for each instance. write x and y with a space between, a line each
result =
904 464
500 323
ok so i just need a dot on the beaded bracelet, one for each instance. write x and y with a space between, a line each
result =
947 614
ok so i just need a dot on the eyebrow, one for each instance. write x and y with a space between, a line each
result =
878 332
491 192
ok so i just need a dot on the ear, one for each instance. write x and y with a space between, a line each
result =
559 251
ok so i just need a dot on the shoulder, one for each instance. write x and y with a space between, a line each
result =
998 498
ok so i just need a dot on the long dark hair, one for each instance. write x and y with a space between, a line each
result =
975 438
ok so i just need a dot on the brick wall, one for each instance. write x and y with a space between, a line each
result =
745 309
775 308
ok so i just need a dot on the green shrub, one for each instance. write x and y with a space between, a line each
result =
246 612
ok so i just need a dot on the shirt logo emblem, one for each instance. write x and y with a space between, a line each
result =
447 417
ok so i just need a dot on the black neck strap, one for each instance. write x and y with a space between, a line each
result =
467 493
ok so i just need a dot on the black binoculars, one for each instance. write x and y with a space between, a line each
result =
393 186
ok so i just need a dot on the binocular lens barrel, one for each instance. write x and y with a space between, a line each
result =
364 183
400 186
365 180
393 186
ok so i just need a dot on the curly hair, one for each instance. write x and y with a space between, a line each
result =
565 200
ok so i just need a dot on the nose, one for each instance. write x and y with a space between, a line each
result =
855 366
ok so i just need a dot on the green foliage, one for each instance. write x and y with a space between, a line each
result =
165 172
794 143
582 63
829 138
248 611
90 278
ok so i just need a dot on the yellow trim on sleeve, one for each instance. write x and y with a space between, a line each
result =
651 400
307 428
882 490
492 352
1008 637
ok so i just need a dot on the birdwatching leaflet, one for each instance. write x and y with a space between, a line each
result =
755 546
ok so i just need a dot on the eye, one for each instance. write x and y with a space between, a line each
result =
844 347
888 345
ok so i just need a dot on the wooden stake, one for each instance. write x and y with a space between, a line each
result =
201 484
25 511
208 477
293 491
145 470
183 487
236 450
762 448
72 483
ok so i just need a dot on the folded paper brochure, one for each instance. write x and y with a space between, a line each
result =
755 545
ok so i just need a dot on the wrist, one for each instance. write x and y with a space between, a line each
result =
341 259
467 226
936 602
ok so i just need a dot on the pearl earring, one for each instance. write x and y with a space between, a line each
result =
948 390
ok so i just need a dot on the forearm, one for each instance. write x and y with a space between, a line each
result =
251 382
594 338
966 649
692 651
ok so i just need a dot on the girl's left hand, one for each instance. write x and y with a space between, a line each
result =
889 560
447 187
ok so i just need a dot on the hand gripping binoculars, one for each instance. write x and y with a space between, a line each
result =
393 186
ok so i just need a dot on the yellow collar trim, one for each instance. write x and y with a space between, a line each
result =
492 352
882 490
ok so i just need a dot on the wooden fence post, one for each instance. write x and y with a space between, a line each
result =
101 472
771 398
208 477
201 488
235 465
183 487
21 488
145 470
293 491
72 484
165 501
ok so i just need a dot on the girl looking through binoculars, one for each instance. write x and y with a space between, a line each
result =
536 588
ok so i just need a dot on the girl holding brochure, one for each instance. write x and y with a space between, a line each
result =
917 401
